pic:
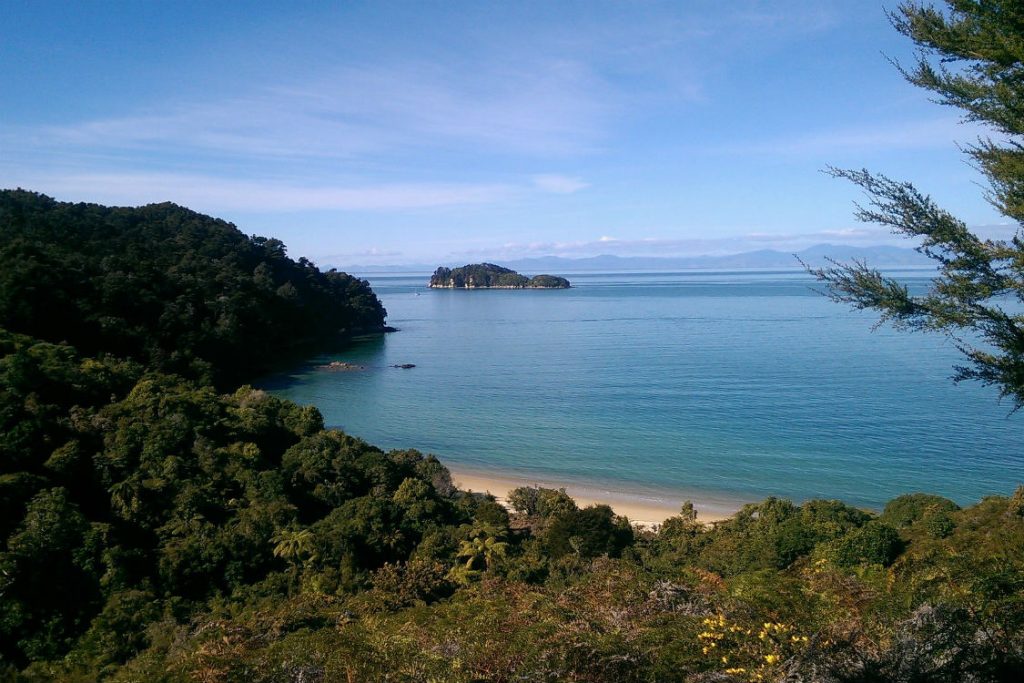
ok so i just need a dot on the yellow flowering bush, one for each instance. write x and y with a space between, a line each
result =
751 651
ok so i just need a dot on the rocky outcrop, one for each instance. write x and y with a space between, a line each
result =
341 366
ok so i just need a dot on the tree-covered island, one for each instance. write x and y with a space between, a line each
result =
490 276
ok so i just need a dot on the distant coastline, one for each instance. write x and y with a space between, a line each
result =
879 256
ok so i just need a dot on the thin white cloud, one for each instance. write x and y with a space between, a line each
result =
933 133
559 184
543 109
844 235
350 257
794 19
205 193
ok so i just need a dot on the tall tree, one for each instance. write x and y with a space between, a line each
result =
971 55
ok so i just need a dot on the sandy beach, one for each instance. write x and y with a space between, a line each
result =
647 511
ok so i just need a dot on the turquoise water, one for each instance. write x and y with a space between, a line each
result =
737 385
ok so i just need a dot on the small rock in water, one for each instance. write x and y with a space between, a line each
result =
404 366
341 366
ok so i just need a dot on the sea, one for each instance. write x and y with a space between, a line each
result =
732 386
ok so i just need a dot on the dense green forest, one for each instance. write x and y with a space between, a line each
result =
169 288
160 524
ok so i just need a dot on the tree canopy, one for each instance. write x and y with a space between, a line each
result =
168 287
971 56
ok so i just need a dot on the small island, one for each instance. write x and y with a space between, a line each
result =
490 276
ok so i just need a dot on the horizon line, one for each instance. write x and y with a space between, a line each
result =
328 262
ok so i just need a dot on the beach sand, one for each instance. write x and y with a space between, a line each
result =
646 511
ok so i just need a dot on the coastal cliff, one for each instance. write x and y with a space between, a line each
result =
490 276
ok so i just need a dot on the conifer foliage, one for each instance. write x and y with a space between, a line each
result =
971 56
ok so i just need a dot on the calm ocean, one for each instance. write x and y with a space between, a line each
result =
737 385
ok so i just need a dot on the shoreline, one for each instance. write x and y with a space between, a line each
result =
644 510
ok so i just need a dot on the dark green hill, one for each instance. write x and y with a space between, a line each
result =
171 288
490 276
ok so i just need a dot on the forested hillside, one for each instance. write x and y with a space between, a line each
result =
168 287
160 523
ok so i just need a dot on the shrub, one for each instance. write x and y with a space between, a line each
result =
534 501
905 510
589 532
873 543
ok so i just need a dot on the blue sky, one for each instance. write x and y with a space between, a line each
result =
402 132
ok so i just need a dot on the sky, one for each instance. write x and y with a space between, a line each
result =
427 132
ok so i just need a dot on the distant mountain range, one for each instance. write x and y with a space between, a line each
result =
877 256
